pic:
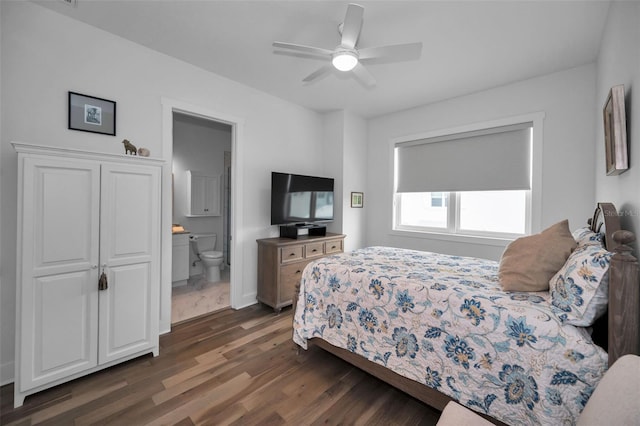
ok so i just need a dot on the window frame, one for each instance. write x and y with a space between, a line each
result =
453 232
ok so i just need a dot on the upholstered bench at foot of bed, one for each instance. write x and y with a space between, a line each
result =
455 414
614 401
616 398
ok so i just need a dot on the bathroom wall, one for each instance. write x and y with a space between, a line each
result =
199 145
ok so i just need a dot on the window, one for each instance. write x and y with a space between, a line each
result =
490 213
472 183
493 211
416 210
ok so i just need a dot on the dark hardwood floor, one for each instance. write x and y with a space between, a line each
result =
232 367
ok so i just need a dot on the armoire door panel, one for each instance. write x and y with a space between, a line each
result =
64 324
58 243
128 210
63 214
66 232
125 307
129 245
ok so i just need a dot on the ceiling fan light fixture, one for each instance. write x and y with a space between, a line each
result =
345 60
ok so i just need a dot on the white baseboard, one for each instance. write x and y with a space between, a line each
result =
165 327
248 300
7 371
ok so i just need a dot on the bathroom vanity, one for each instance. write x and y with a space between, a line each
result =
180 259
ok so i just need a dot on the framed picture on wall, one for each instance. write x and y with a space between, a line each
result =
357 199
615 131
91 114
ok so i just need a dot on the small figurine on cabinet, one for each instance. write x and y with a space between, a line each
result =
129 148
143 152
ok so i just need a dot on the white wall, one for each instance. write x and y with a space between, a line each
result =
198 145
345 136
7 315
333 139
566 98
45 55
619 63
355 170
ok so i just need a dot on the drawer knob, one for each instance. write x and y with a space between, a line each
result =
292 254
314 250
298 271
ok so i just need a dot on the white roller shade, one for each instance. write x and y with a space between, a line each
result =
490 159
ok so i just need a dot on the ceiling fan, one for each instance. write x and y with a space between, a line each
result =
347 57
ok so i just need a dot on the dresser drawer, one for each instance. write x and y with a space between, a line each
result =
333 247
290 276
291 254
314 250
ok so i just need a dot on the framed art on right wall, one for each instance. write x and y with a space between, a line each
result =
357 200
615 131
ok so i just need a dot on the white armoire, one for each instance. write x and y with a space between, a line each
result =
88 263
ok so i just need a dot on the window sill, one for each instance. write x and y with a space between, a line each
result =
457 238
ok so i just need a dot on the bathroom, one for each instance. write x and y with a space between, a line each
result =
201 153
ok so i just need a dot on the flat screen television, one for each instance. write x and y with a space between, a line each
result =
299 199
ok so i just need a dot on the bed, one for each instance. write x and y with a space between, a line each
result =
440 327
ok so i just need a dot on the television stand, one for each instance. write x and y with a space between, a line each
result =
294 231
281 262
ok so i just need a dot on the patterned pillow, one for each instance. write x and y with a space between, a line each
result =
580 289
585 236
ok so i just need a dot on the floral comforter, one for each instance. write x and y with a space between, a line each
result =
444 321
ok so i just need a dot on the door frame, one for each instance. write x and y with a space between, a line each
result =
169 106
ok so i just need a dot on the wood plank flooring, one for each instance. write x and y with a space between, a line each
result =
232 367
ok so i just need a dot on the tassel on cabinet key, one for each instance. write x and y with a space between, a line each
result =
102 282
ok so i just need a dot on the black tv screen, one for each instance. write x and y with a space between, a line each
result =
299 199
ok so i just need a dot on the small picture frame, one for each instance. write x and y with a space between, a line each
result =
91 114
357 200
615 132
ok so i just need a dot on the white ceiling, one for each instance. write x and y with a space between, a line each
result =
468 46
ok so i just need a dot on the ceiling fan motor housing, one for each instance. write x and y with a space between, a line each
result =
344 59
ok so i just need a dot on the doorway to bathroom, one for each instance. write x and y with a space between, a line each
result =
201 216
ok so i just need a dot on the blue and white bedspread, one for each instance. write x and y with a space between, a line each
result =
444 321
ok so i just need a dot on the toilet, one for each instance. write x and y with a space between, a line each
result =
203 246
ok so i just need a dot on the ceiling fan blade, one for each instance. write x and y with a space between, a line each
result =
352 25
395 52
364 75
303 48
318 73
295 54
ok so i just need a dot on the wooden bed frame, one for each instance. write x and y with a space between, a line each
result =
623 319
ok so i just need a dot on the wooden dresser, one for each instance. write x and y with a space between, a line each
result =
282 260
